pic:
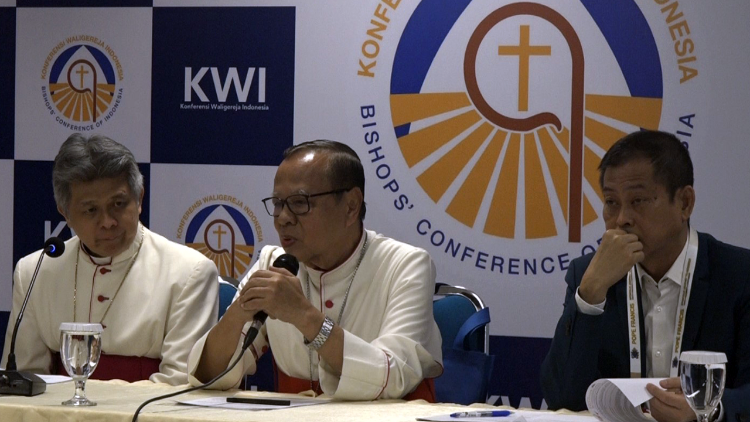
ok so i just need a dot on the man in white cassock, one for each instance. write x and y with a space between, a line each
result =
356 321
154 298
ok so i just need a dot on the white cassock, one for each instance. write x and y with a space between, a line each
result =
391 340
168 300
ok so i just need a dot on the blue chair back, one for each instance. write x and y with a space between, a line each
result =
450 314
227 291
451 307
463 320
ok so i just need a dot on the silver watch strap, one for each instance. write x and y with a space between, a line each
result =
323 334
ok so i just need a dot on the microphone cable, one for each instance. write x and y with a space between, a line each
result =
202 386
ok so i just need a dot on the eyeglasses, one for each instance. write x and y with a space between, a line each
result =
298 204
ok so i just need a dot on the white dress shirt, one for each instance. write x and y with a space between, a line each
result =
659 309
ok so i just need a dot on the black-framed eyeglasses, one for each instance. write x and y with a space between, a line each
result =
298 204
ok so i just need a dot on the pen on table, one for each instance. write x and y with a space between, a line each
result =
482 414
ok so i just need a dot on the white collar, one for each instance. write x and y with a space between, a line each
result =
122 256
346 268
674 274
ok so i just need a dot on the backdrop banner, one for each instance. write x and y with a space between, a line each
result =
480 125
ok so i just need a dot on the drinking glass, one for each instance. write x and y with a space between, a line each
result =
702 376
80 348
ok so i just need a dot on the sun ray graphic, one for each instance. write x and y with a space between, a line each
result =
243 255
463 150
79 106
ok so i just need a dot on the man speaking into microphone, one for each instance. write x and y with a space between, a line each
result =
153 297
356 321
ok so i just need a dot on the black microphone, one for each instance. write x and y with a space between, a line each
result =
12 381
287 262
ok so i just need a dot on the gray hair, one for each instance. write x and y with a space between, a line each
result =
82 159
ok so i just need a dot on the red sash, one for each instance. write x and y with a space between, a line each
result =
127 368
287 384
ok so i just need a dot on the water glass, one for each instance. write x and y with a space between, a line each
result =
80 348
702 377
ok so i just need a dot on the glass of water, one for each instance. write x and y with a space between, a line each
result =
702 376
80 348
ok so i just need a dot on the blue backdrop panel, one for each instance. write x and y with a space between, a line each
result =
34 205
7 80
222 85
516 371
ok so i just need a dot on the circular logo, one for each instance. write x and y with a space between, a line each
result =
221 228
83 76
513 150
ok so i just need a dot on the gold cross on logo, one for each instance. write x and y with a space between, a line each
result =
524 51
82 72
218 234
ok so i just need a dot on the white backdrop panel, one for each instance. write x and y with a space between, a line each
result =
179 192
122 35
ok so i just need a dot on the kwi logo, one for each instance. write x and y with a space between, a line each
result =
223 87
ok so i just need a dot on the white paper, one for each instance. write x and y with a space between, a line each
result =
54 379
619 399
555 417
222 403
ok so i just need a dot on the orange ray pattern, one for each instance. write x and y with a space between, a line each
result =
223 261
80 106
602 134
558 168
501 220
465 205
420 144
589 213
539 220
407 108
564 137
244 255
638 111
438 178
591 169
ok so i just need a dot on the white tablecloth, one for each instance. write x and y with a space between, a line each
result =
118 400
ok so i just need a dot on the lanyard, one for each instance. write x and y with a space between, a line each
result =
682 304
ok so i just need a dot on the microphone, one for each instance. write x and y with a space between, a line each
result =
12 381
287 262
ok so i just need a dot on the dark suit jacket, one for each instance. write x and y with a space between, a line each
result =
586 348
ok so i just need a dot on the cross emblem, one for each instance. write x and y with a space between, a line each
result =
524 51
218 232
82 72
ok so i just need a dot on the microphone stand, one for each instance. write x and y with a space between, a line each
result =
21 383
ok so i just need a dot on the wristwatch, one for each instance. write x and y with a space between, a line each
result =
323 334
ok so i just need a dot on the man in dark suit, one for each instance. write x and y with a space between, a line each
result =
649 248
